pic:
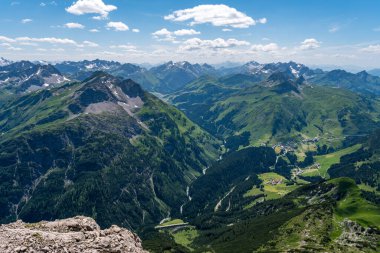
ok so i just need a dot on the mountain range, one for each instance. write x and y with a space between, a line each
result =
272 157
172 76
25 76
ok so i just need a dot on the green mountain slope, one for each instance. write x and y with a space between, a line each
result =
363 166
102 148
329 216
278 110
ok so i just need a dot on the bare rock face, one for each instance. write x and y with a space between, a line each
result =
78 234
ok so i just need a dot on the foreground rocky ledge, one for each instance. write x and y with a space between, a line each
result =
78 234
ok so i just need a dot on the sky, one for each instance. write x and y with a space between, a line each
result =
313 32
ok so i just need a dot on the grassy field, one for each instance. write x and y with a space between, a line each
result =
271 191
368 188
354 207
172 222
327 160
185 237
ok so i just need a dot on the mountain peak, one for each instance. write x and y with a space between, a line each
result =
103 92
4 62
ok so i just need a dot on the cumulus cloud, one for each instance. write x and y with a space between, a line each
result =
74 26
162 32
117 26
26 20
217 15
371 49
219 43
82 7
166 35
271 47
163 35
184 32
309 44
94 30
135 30
226 30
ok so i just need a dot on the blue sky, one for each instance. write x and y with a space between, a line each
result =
314 32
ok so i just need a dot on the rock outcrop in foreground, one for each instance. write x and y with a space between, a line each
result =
78 234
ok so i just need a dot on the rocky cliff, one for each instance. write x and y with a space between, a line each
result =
78 234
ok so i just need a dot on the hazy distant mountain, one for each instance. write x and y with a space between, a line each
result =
174 75
264 70
375 72
4 62
26 76
361 82
83 69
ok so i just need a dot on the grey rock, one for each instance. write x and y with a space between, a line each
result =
77 234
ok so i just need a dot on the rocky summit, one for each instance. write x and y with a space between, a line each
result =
78 234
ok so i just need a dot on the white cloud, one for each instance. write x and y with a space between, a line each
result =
42 4
6 39
89 44
28 41
199 44
163 35
81 7
28 44
309 44
135 30
262 21
26 20
371 49
166 35
94 30
217 15
8 46
127 47
334 29
14 48
74 26
184 32
226 30
162 32
271 47
41 49
51 40
117 26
